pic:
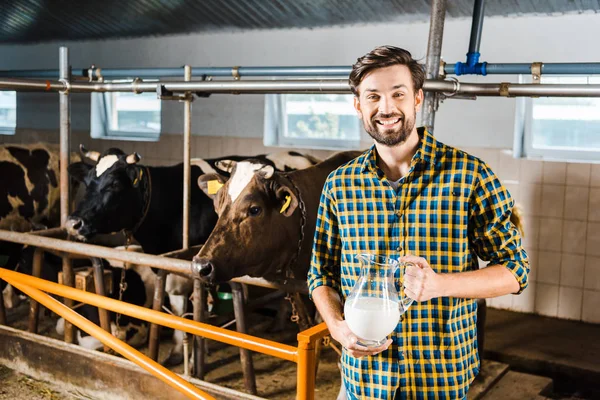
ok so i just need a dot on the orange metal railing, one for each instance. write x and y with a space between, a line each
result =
304 355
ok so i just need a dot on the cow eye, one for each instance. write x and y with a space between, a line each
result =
254 211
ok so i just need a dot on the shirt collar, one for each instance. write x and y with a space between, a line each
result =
425 152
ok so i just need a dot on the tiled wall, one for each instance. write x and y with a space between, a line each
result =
560 203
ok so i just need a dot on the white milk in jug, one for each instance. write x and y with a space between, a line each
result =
372 318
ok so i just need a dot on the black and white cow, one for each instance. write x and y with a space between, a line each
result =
147 201
29 200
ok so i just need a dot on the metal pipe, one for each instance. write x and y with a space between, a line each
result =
169 264
476 27
65 146
157 303
432 63
339 86
524 68
187 180
120 347
34 306
112 73
199 315
307 72
290 285
240 326
101 290
249 342
307 343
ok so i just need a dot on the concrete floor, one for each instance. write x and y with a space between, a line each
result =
566 351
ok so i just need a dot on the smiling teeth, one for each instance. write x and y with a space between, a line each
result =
389 122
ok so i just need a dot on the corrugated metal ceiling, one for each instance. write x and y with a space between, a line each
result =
29 21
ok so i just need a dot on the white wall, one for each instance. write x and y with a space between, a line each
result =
487 122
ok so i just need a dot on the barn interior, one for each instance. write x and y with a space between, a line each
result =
543 145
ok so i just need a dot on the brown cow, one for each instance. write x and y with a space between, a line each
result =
261 219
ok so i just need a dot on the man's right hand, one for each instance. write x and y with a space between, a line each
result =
342 333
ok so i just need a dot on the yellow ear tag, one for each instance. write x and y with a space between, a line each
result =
288 200
214 186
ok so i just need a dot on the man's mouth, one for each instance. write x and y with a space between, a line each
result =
388 122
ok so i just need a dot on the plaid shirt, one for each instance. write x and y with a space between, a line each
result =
449 209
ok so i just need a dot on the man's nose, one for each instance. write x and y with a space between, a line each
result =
386 106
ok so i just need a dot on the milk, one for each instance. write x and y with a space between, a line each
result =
372 318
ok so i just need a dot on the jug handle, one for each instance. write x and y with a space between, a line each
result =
405 302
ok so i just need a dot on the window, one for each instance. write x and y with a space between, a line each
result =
126 116
559 128
326 121
8 112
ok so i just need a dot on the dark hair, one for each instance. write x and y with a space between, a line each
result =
386 56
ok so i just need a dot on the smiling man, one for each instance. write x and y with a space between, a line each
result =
416 199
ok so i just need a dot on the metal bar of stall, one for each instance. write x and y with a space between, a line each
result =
101 290
187 132
245 341
432 63
107 339
34 307
65 151
170 264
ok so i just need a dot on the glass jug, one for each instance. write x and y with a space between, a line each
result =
374 306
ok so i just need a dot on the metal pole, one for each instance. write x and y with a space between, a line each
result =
476 27
34 306
112 73
65 150
432 64
101 290
240 325
304 72
199 315
187 131
180 267
547 68
157 304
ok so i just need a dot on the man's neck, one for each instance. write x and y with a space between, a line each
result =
395 161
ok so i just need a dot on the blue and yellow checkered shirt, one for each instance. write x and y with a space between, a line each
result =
450 208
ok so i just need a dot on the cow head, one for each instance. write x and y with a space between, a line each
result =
258 228
114 198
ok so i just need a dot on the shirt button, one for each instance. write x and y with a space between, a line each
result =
399 248
402 355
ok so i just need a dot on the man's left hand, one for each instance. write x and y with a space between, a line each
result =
421 283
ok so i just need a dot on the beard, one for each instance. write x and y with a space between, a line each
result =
390 137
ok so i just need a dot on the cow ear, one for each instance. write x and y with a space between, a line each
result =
226 166
79 171
287 200
266 172
211 184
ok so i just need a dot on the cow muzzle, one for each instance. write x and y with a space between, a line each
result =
73 225
203 269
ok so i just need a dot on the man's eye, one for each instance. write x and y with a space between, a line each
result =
254 211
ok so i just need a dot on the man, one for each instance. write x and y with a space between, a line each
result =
413 198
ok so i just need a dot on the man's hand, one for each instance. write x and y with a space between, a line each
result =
340 332
421 283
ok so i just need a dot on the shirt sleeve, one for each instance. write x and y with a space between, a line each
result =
325 261
494 236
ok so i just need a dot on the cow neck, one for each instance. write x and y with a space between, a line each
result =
289 272
146 185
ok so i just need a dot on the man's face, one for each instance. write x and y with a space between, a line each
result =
388 105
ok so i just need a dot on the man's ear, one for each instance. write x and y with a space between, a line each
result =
287 200
79 171
211 184
357 107
419 100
